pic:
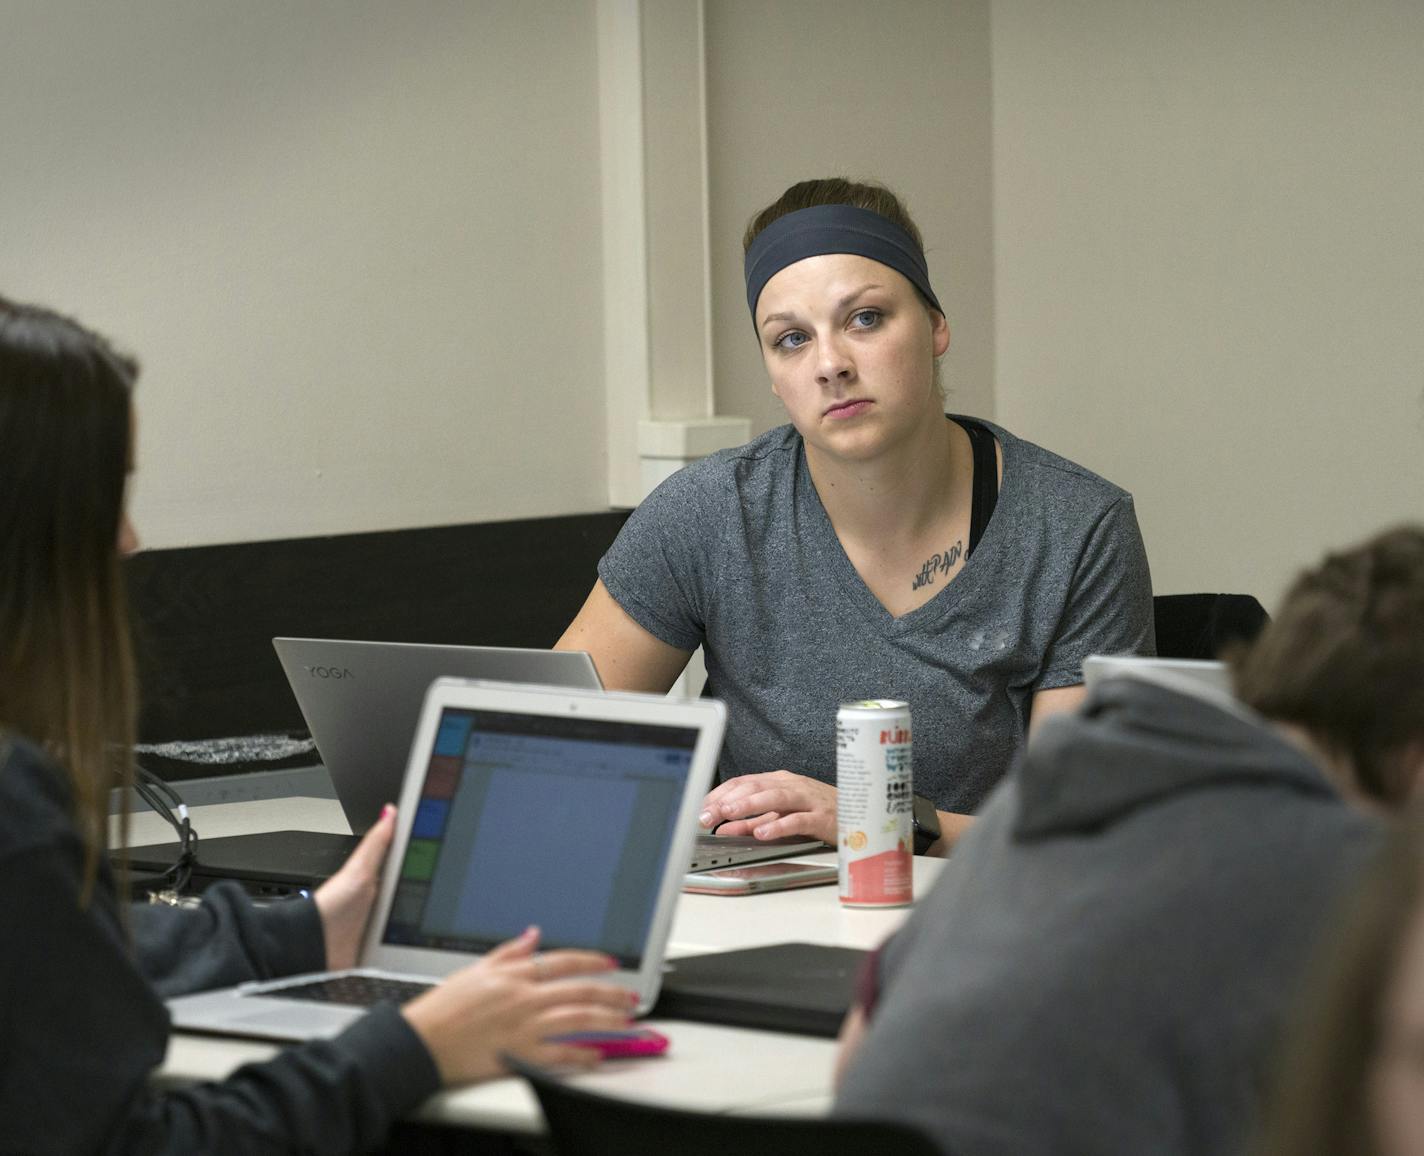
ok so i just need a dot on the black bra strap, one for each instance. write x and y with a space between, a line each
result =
986 481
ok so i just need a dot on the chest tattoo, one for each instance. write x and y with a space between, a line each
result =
941 563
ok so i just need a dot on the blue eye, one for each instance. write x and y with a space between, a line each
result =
865 318
794 339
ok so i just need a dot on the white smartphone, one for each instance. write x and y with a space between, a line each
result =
758 877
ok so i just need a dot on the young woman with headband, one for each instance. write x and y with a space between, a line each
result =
872 548
82 1024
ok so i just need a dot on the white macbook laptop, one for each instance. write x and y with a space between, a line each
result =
1189 671
574 811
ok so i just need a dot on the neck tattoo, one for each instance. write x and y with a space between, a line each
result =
941 563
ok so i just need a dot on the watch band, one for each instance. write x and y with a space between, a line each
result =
925 820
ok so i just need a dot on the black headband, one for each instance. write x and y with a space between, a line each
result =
834 229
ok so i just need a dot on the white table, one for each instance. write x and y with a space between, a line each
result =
219 819
708 1068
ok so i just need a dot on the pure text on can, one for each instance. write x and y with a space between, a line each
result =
875 804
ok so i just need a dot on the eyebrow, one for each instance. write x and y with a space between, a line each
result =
841 304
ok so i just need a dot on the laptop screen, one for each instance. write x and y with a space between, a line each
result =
481 864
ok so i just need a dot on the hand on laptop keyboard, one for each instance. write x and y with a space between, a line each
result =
771 806
511 1002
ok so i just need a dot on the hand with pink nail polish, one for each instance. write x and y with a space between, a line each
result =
345 900
516 1002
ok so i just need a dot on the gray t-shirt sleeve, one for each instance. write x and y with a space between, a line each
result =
1109 605
662 564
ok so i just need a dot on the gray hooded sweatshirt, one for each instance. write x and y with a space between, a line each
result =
1104 965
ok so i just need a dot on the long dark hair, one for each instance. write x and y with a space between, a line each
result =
66 662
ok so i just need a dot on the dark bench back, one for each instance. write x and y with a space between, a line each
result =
206 616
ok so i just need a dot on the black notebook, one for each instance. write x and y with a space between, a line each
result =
805 988
268 863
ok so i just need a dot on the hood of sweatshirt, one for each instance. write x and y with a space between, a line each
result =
1137 741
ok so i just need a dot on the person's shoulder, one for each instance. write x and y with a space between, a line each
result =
34 794
775 449
27 772
735 470
1042 470
1345 832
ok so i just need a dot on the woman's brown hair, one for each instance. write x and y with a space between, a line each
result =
1321 1101
833 191
1344 659
66 662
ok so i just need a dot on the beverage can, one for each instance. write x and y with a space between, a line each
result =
875 804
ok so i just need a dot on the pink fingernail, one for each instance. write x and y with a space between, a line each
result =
705 819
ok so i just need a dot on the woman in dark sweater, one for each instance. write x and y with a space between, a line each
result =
82 1021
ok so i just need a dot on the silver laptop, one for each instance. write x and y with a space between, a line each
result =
361 699
574 811
711 851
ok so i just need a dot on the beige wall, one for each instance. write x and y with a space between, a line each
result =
1209 267
357 247
897 92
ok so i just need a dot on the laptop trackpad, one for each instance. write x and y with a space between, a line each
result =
293 1023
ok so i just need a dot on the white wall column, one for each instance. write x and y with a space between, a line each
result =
657 279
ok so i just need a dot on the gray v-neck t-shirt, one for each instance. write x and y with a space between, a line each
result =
736 554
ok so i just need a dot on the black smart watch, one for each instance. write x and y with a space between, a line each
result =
926 822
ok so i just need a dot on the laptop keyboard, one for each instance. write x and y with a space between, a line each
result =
356 990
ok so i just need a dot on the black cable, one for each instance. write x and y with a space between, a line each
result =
164 799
